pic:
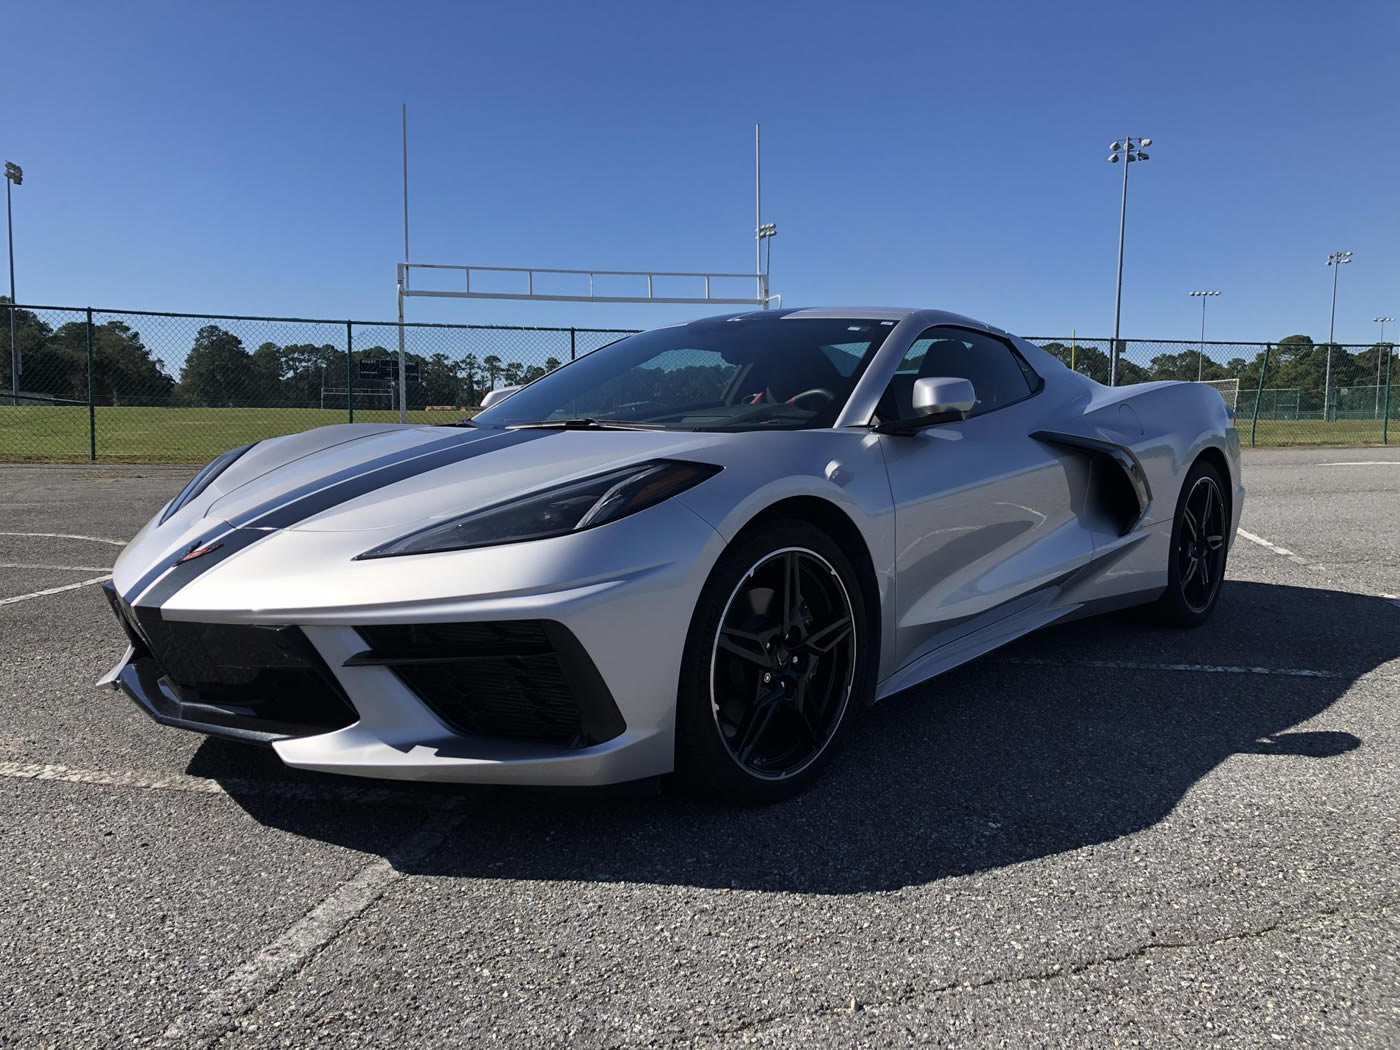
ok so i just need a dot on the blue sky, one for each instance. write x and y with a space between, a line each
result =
245 157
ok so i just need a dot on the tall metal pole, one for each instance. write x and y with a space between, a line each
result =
92 402
1331 327
1118 297
1385 418
757 220
403 275
349 372
14 346
1380 321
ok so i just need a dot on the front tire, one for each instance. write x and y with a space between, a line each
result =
777 660
1196 566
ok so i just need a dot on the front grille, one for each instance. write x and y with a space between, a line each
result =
268 679
526 679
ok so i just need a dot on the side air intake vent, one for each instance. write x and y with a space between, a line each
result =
528 679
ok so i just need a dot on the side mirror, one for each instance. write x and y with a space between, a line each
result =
937 399
495 397
944 397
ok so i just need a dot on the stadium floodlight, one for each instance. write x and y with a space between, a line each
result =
1201 356
1129 150
14 176
1335 260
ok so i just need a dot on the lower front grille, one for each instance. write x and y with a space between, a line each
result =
266 680
527 679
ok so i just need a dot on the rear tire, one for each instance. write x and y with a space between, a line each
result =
778 659
1196 563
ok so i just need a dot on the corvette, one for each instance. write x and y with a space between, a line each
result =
700 550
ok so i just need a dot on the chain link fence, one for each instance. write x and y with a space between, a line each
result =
139 386
142 386
1280 391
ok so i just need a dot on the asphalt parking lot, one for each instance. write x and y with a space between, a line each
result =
1105 835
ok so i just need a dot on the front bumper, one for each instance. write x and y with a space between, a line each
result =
625 593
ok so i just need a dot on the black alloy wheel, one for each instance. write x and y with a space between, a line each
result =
775 665
783 662
1199 548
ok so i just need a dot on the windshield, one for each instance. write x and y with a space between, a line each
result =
751 373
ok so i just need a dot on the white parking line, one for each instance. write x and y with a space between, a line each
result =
1364 463
1134 665
67 536
259 977
55 590
60 568
236 786
1282 551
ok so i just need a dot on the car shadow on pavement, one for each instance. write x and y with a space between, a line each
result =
1025 753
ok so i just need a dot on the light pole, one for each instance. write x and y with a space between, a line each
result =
14 174
1335 260
1200 357
1131 150
1382 352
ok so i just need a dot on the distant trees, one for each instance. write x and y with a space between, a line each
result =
55 361
1095 363
217 368
1295 362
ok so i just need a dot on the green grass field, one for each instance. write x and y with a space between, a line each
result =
49 433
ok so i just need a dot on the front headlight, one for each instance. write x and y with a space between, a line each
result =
203 479
558 511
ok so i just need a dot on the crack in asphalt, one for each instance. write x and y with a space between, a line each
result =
1057 972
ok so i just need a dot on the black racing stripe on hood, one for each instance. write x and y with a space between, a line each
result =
320 496
306 501
182 573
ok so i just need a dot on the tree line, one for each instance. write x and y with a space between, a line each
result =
1294 362
220 370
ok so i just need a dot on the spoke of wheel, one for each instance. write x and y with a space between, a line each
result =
830 636
744 645
1205 510
792 590
1205 573
1190 522
757 722
805 717
1190 572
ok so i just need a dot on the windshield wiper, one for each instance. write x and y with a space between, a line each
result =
465 421
585 424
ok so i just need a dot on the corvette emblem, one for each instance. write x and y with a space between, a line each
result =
197 552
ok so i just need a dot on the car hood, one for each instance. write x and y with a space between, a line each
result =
369 478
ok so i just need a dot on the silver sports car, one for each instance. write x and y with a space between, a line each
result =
700 550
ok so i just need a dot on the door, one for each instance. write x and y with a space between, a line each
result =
984 514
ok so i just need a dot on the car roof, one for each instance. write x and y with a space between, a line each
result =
873 313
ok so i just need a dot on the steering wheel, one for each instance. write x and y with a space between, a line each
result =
816 391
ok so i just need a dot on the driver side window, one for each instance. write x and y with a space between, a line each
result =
996 371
